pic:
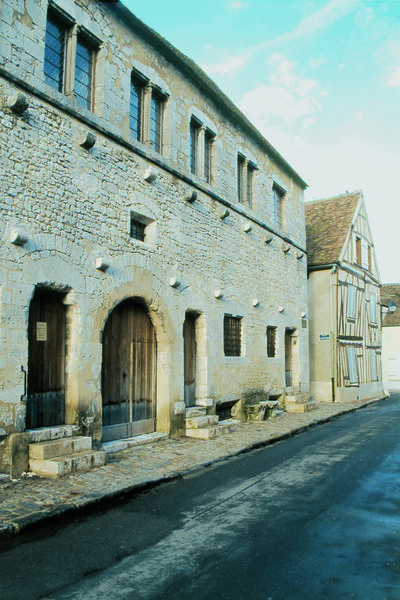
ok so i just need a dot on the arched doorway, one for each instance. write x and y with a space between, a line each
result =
45 405
128 379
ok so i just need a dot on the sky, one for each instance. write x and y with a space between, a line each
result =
319 78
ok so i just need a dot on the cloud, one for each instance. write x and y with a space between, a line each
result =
236 5
315 63
229 65
322 18
394 78
290 97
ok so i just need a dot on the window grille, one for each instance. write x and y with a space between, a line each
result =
194 139
250 183
54 53
83 73
155 121
137 230
277 206
271 342
135 110
232 335
240 169
208 140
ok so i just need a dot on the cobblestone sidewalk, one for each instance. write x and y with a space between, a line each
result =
32 500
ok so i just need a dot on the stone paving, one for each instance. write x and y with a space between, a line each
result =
32 500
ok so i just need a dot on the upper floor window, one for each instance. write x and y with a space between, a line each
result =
54 51
208 140
194 142
232 335
240 177
250 183
200 151
84 72
351 302
68 67
372 309
278 195
136 108
156 120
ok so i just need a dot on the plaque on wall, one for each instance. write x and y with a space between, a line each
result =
41 331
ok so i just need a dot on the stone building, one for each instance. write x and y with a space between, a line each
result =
344 300
152 240
390 294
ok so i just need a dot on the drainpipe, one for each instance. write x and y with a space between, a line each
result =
333 356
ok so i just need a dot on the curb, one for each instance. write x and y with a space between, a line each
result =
67 512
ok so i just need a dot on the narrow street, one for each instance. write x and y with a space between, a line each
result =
312 517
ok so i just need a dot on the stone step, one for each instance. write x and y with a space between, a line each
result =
208 433
60 447
66 465
45 434
300 407
195 411
201 421
139 440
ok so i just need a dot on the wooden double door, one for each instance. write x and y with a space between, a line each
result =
45 405
128 372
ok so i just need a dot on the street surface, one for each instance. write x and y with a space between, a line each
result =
316 516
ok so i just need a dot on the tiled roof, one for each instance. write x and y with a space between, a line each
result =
390 292
327 224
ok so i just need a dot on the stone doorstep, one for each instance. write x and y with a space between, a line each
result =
201 421
139 440
66 465
196 411
45 434
301 407
208 433
60 447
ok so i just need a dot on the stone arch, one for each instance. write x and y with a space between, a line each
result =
141 289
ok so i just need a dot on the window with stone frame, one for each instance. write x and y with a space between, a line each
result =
156 110
240 177
54 50
208 142
195 126
137 230
278 195
136 106
69 57
232 335
84 64
271 342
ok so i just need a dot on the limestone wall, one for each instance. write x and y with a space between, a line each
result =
74 205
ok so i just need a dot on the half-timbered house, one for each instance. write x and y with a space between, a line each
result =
344 300
152 254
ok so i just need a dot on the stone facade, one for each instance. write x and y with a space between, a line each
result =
74 179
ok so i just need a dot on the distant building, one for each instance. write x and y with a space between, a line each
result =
390 294
344 300
152 250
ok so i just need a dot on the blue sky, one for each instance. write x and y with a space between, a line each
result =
319 78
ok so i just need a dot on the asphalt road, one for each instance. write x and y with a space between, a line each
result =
312 517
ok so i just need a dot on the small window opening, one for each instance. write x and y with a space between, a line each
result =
232 335
271 342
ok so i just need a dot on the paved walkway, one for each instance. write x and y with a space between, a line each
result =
31 500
